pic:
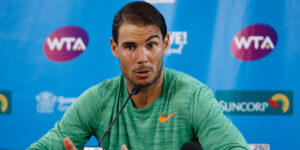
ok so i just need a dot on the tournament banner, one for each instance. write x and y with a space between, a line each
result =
246 51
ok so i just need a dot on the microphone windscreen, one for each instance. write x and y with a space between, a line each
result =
191 146
135 90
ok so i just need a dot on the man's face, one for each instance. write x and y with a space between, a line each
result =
140 50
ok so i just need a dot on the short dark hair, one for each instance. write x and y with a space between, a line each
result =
138 13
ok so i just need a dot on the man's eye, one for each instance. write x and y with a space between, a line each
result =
152 45
130 47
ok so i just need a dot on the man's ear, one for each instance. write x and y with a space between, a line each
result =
114 47
166 43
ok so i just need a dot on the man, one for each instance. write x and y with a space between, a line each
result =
171 108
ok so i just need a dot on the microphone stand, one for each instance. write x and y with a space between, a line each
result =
135 90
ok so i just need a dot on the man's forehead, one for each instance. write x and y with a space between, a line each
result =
138 32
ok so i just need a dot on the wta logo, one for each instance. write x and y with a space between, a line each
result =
66 43
254 42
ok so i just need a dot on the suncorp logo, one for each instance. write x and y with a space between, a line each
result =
66 43
254 42
177 41
256 102
46 102
5 102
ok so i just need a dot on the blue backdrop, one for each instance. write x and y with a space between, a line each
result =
35 91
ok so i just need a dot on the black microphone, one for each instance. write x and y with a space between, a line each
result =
191 146
135 90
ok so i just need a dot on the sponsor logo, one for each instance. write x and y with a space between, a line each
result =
46 102
254 42
259 146
256 102
273 101
66 43
161 119
177 41
160 1
5 102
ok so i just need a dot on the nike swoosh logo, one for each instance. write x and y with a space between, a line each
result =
161 119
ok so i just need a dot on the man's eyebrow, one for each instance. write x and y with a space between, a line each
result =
151 37
128 43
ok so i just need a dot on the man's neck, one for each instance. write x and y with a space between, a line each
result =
147 95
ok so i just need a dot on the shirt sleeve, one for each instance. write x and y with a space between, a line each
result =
77 124
213 129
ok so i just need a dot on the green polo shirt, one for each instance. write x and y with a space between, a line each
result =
185 111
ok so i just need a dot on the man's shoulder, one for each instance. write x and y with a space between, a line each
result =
183 89
110 83
104 87
182 80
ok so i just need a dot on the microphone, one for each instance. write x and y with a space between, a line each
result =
135 90
191 146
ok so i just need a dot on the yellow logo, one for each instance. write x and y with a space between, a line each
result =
280 97
4 103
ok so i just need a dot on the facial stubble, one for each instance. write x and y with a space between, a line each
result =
156 77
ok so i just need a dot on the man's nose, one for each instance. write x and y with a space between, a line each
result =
142 55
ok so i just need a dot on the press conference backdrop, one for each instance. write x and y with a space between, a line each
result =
246 51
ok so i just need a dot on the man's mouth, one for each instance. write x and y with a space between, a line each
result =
143 73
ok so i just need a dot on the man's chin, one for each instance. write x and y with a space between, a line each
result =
141 85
